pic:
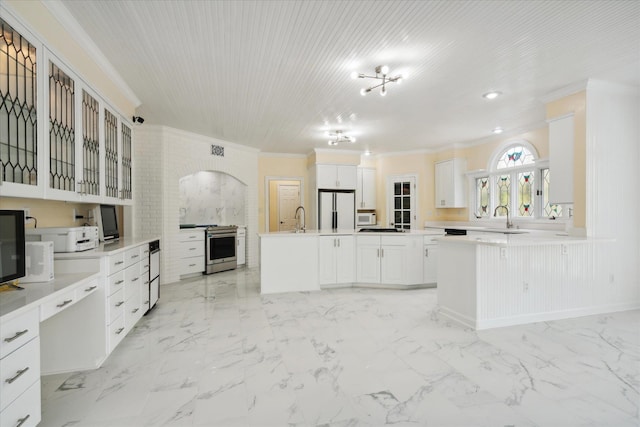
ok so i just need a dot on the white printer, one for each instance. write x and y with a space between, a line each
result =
66 239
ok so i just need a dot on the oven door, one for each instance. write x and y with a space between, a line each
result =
221 251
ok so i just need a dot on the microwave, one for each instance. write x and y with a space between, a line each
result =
366 218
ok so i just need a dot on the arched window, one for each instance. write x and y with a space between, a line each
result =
516 183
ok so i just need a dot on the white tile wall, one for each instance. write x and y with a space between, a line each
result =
211 197
163 156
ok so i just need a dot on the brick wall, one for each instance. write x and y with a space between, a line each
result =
164 155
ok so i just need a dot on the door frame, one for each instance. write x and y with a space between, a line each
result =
267 201
414 194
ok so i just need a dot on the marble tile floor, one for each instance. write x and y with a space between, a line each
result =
214 352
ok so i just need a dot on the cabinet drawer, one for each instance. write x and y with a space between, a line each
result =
116 305
131 280
18 331
116 263
132 311
192 236
131 256
25 410
189 249
86 290
191 265
116 332
115 282
431 240
18 371
58 304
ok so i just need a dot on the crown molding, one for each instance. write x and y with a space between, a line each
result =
62 14
564 91
338 151
281 155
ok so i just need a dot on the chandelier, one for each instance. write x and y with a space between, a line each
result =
338 137
381 74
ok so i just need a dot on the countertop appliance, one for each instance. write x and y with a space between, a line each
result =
336 209
66 239
366 218
220 248
154 273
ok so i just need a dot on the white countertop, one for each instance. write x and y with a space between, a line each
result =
349 232
14 302
106 248
529 239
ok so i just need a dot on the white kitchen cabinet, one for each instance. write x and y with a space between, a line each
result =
430 260
450 183
20 370
561 148
341 177
242 246
366 188
389 259
191 251
336 259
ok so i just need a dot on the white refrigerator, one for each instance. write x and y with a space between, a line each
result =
336 209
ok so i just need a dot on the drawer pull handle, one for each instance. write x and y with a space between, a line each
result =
22 420
119 262
135 256
18 375
65 302
90 289
135 279
192 249
135 310
192 265
119 282
146 282
119 331
146 302
16 336
118 304
146 266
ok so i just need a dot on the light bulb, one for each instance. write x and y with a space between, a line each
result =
383 92
498 130
384 69
399 79
352 139
354 75
492 95
333 142
367 153
363 91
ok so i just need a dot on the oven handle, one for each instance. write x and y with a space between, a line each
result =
214 235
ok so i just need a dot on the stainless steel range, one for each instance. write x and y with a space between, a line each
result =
221 248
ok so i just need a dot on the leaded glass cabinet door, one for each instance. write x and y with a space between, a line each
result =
111 156
89 178
125 182
21 159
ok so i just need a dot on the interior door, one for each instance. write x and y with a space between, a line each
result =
288 201
402 202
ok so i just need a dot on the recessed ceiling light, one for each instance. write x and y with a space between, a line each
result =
367 153
491 95
498 130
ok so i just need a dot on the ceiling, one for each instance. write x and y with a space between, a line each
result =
275 75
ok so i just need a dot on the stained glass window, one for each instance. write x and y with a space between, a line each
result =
482 197
526 193
18 118
503 193
515 156
551 211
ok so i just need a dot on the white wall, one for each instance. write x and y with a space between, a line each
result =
613 159
163 156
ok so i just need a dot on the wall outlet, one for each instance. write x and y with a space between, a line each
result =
525 287
564 249
27 212
503 252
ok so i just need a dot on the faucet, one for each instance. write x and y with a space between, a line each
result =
298 228
495 213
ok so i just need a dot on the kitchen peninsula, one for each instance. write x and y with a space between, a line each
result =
524 278
312 260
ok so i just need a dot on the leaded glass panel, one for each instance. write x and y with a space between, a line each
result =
18 118
126 162
61 130
503 192
482 197
111 153
526 193
90 144
515 156
551 211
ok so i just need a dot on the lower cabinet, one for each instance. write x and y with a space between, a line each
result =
430 260
393 260
336 259
241 246
192 249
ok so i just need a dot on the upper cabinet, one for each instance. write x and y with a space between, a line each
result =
366 189
561 159
58 139
450 183
338 177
